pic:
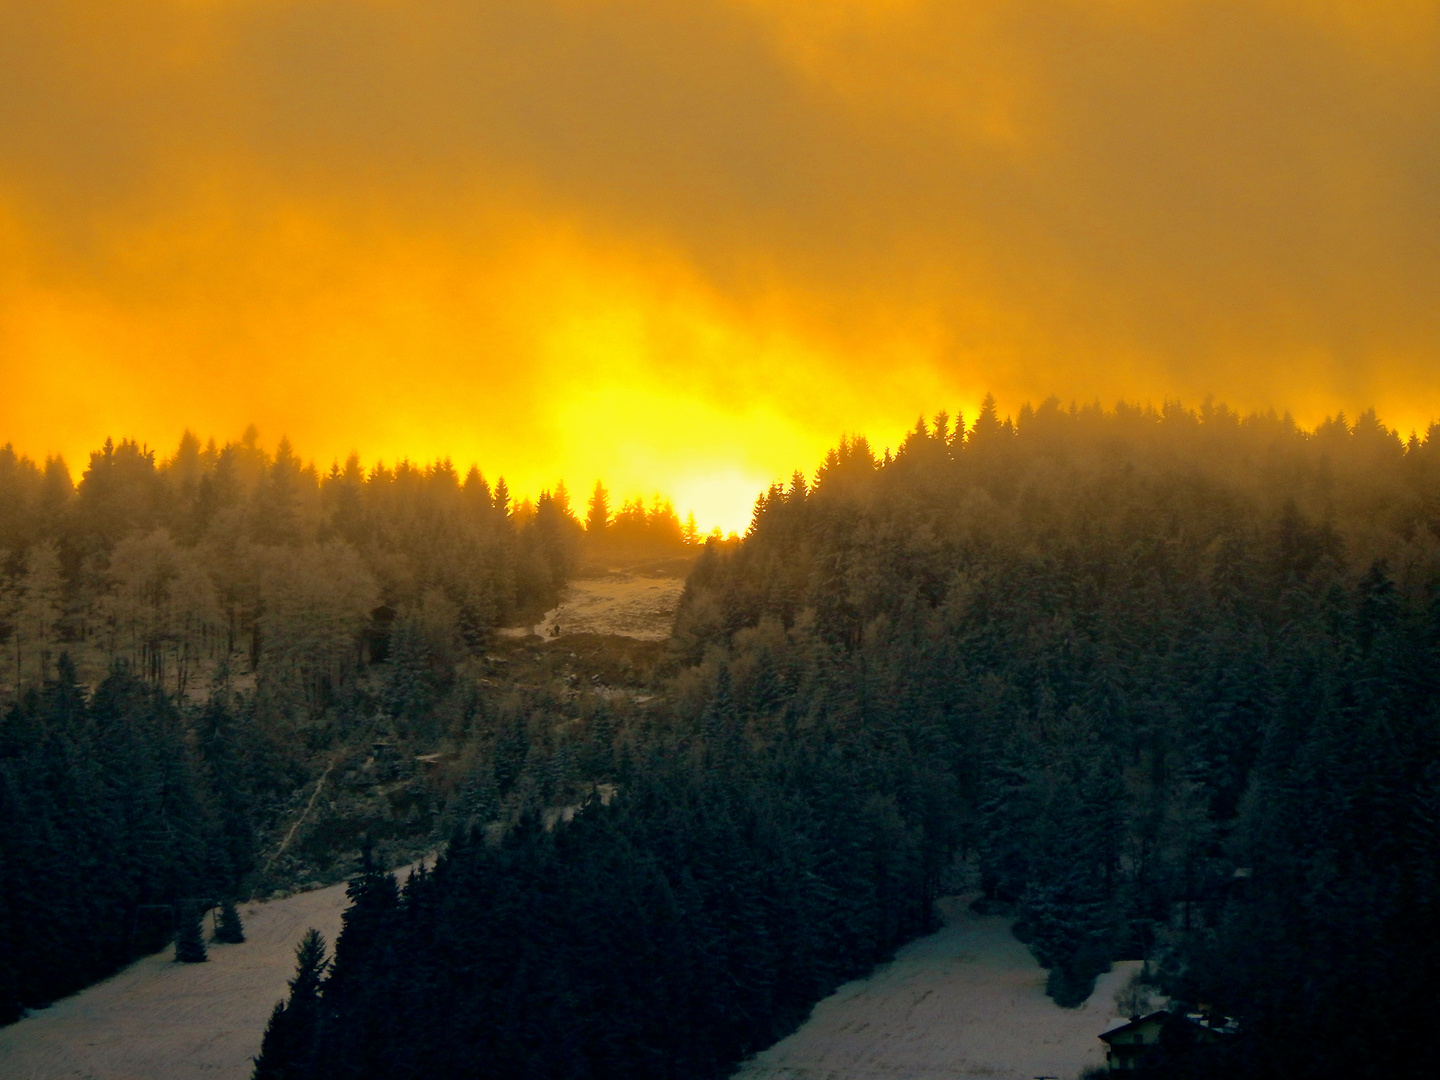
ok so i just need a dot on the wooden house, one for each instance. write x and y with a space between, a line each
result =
1130 1044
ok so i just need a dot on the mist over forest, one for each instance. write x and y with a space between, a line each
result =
1155 684
187 643
179 564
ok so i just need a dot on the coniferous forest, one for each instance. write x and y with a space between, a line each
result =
1158 684
193 649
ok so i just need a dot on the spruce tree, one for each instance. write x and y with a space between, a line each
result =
597 519
190 942
409 687
289 1042
230 931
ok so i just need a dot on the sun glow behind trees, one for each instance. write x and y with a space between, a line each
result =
681 247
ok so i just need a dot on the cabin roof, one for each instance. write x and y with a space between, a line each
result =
1135 1022
1228 1028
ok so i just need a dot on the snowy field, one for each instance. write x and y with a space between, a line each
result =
620 602
966 1001
159 1020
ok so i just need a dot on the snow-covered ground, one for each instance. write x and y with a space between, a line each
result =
159 1020
966 1001
621 602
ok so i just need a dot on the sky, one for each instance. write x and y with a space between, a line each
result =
684 245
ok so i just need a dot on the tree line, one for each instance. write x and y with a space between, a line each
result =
115 808
232 553
1183 668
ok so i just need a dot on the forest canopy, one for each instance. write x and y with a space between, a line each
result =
260 560
1160 684
190 647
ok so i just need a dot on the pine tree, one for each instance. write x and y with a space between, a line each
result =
37 617
289 1043
230 931
597 520
190 943
408 686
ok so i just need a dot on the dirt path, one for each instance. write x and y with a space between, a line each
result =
158 1020
967 1001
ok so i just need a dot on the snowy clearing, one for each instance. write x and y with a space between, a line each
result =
966 1001
621 602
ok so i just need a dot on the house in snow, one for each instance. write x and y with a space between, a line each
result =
1128 1045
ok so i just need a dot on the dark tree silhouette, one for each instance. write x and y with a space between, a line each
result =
229 931
190 938
287 1050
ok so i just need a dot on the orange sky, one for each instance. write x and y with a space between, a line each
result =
685 244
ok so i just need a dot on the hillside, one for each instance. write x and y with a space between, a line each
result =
968 1000
1160 683
157 1018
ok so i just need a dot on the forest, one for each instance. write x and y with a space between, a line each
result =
1157 684
187 645
1161 683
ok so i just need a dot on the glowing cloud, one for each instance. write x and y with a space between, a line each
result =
684 247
